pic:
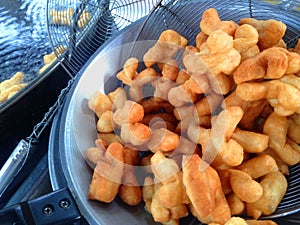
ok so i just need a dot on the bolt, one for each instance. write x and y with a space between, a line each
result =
48 209
64 204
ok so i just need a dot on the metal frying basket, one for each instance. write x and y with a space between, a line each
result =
76 29
79 27
184 17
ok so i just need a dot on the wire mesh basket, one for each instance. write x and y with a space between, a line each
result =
184 17
77 28
108 17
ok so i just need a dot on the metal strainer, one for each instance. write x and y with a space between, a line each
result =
81 26
184 17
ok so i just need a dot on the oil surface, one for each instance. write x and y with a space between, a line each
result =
23 37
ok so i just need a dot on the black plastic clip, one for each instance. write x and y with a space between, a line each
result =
56 208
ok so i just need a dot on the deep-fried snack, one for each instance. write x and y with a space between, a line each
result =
182 76
220 214
163 140
276 128
274 186
294 127
94 154
105 122
185 147
291 79
155 105
145 77
169 69
221 83
211 22
130 112
270 31
186 95
251 142
236 221
148 192
117 97
270 63
216 157
293 61
208 104
130 191
135 133
129 72
224 175
166 171
221 57
218 147
203 187
62 17
201 39
240 221
15 79
109 138
158 123
158 211
184 111
284 98
199 74
108 174
245 41
251 109
99 103
259 166
237 206
203 201
282 166
247 189
162 87
51 57
84 18
145 163
167 46
9 92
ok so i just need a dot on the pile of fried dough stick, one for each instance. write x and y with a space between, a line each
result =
222 130
11 86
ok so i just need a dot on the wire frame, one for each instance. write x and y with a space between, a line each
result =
77 28
184 17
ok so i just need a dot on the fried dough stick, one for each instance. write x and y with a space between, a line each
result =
108 174
130 191
203 187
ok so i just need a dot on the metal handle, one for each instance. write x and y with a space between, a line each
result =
13 165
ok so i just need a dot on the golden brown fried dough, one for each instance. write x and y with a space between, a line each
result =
247 189
251 142
270 31
274 185
108 174
259 166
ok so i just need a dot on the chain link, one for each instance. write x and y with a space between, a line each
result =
49 115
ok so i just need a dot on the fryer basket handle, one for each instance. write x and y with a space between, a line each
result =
57 207
13 165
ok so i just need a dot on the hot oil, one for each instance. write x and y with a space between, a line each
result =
23 37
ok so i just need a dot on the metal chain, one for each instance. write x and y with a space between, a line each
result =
48 117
